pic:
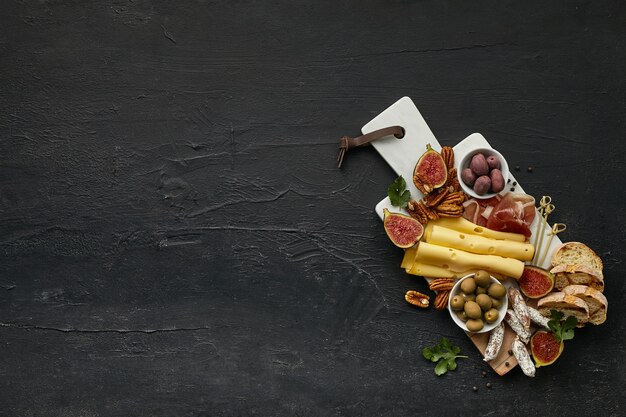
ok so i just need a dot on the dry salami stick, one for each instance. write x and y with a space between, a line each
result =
523 357
496 336
537 318
511 318
519 306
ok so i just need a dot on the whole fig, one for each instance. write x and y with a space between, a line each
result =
468 176
479 165
482 185
497 180
493 162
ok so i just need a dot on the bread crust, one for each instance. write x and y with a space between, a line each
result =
560 301
562 272
583 253
595 300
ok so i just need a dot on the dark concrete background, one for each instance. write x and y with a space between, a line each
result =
176 241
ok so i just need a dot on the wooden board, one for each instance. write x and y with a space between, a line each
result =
402 154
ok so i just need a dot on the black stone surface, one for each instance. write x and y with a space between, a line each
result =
176 241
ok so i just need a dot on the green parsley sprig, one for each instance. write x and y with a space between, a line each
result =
563 330
444 354
398 194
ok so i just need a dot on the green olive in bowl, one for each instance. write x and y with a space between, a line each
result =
474 325
496 290
492 315
457 302
482 278
468 286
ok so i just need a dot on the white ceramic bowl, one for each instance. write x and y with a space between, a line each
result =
488 326
465 162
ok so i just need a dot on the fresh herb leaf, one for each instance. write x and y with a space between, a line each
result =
441 368
427 353
444 354
563 330
567 329
445 343
398 194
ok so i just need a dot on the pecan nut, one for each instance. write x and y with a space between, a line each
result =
442 284
413 209
417 299
450 214
451 210
452 180
428 211
457 197
434 199
441 300
419 184
447 153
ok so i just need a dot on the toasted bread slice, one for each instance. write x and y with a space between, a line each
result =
565 275
569 305
596 301
576 253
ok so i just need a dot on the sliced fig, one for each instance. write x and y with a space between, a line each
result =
404 231
536 282
430 170
545 348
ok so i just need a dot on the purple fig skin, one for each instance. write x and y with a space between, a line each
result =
482 185
479 165
497 180
468 177
493 162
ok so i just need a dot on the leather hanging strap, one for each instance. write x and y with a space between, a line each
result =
347 142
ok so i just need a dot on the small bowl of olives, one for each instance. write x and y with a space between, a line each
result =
483 172
478 302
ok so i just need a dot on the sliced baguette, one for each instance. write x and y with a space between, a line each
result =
569 305
576 253
596 301
565 275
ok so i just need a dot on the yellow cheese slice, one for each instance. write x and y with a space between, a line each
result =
464 225
409 258
460 260
443 236
430 271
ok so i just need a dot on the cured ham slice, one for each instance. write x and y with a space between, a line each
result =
514 213
478 211
471 211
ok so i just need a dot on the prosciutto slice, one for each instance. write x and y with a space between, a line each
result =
478 211
514 213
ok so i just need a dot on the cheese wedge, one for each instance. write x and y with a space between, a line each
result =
463 225
443 236
457 260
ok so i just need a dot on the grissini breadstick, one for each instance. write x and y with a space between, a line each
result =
545 209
